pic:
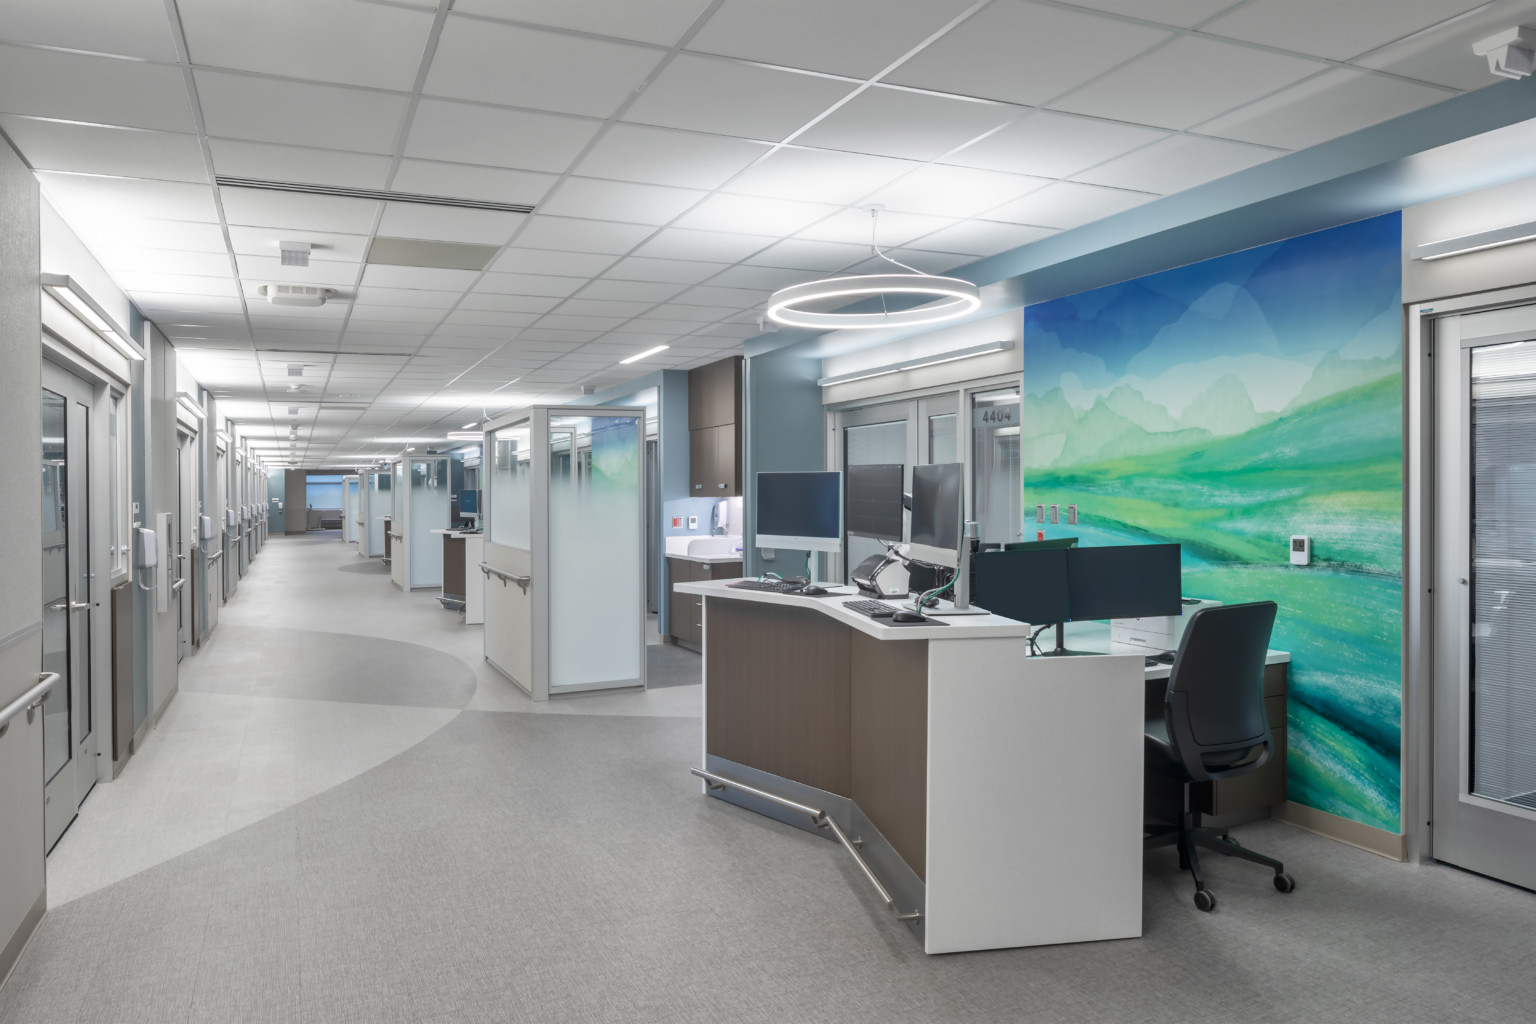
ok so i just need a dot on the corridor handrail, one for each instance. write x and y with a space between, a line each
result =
29 701
521 581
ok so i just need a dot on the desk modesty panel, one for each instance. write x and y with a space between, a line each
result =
985 793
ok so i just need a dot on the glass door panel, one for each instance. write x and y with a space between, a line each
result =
428 512
58 735
509 552
997 484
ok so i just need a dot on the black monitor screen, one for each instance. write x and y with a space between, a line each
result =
799 505
1124 582
936 505
1030 586
469 503
873 508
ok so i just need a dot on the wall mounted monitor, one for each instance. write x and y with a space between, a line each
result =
1028 585
873 506
802 511
1124 582
937 493
469 503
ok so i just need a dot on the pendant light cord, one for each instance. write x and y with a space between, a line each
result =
874 245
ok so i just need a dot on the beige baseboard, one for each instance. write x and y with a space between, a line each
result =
1374 840
17 945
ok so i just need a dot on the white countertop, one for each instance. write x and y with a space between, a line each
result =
1093 637
959 627
706 559
459 533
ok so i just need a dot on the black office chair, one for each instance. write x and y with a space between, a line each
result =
1214 727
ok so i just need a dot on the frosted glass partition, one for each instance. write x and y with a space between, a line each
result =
511 498
428 512
379 507
597 557
349 509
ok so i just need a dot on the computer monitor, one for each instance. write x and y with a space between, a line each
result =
800 510
1124 582
936 513
873 505
469 503
1030 585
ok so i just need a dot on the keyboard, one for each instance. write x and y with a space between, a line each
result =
770 586
874 609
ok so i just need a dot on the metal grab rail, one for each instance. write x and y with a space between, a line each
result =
178 584
821 819
215 556
521 581
29 701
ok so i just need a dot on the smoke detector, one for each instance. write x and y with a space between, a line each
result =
294 294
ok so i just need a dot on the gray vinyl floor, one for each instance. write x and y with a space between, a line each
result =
485 859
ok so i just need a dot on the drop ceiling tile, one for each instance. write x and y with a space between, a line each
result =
387 276
465 181
298 113
650 21
291 212
917 259
464 132
640 268
619 201
1337 29
805 254
1025 53
1176 163
841 37
97 90
81 196
523 67
728 98
1068 204
328 246
331 273
420 297
179 284
348 43
819 175
295 316
510 303
1186 82
689 314
581 323
160 306
543 232
892 229
762 279
1332 104
1441 55
448 224
91 149
527 284
662 156
602 307
1180 13
461 319
369 311
238 159
753 215
1053 145
955 191
133 28
730 299
518 260
706 246
895 122
162 261
630 291
979 238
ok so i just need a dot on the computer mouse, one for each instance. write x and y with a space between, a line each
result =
813 591
908 617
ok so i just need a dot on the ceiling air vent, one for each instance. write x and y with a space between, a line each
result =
294 294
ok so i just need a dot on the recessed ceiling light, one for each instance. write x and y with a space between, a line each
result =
641 355
468 426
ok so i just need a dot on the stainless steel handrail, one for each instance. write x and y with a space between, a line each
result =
397 536
178 584
29 701
521 581
216 556
821 819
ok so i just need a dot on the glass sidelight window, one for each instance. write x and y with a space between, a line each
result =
511 485
997 484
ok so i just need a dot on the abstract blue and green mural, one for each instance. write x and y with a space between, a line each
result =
1228 405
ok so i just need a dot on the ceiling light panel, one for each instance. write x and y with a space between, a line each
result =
730 98
1186 82
522 67
298 113
1025 53
98 90
895 122
836 36
525 140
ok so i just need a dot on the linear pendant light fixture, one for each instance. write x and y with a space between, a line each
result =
804 305
1476 242
87 311
917 363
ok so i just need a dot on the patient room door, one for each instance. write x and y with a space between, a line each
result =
1484 816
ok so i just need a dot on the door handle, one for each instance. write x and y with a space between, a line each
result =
64 604
178 584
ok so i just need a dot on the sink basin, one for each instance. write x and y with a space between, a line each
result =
709 547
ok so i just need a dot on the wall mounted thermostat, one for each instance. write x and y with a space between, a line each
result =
1301 549
693 522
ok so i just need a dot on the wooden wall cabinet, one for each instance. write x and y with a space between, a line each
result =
714 430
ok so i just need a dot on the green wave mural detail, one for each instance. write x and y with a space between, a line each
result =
1207 405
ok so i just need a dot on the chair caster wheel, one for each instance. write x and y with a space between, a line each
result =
1285 883
1205 900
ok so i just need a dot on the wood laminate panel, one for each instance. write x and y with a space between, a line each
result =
889 741
453 566
778 691
122 671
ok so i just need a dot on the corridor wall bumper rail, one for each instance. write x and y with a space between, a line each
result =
29 701
521 581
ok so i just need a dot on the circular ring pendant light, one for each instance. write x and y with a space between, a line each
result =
950 297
